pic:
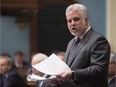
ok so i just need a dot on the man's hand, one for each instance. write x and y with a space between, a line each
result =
61 76
65 75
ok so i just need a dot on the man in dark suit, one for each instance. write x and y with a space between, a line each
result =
112 70
87 53
8 75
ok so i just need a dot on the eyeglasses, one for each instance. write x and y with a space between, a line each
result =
2 65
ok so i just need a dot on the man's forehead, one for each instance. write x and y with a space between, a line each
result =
3 60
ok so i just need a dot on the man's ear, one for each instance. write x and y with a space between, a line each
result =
87 22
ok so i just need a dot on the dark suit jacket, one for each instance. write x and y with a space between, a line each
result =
14 80
112 83
89 61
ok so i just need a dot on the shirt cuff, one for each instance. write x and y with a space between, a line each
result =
73 77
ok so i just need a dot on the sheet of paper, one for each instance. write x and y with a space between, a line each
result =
30 79
34 77
52 65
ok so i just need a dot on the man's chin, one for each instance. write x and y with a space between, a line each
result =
74 34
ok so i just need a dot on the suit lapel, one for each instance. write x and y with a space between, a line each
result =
78 48
112 82
68 49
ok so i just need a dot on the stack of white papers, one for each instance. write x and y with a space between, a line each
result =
34 77
53 65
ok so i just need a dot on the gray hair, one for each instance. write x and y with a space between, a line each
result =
76 7
9 60
113 57
39 57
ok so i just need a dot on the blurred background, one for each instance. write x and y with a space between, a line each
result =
32 26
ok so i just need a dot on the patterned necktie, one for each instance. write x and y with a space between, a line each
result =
41 84
77 40
74 45
72 49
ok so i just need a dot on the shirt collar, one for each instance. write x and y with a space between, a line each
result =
111 78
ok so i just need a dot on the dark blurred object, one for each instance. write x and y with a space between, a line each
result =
20 60
21 64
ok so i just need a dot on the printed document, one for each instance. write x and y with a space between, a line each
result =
34 77
52 65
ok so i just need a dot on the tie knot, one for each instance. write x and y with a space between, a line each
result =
77 40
